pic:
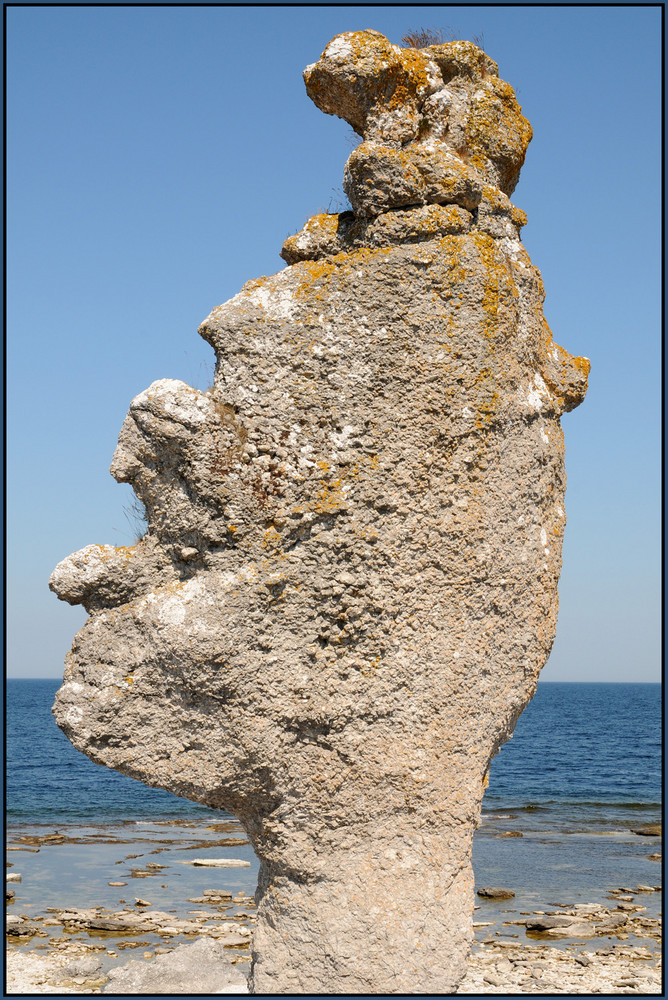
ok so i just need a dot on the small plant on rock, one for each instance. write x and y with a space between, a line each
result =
420 38
135 515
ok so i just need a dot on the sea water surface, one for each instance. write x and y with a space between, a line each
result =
580 774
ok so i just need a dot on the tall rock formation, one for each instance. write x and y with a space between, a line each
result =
348 586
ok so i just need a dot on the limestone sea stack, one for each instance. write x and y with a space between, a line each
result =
348 586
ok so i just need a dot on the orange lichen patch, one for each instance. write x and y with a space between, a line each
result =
565 376
254 284
461 58
315 276
358 71
412 81
583 365
312 271
518 216
174 587
326 222
368 255
494 200
497 131
320 231
497 284
369 669
378 87
271 538
332 495
330 498
124 551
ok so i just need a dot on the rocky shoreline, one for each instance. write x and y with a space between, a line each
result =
72 962
194 916
505 968
500 967
81 942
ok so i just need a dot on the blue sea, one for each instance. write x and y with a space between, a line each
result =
582 771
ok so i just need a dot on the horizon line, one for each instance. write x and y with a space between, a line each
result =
8 678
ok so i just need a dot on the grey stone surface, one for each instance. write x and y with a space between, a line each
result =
378 178
495 892
349 583
24 929
546 923
202 967
84 966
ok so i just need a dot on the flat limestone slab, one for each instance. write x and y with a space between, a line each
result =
202 967
217 863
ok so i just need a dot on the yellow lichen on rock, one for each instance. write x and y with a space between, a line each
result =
497 133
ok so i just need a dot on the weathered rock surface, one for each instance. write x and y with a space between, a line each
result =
653 830
568 926
202 967
88 967
494 892
349 583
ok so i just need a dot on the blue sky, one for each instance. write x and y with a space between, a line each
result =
157 159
